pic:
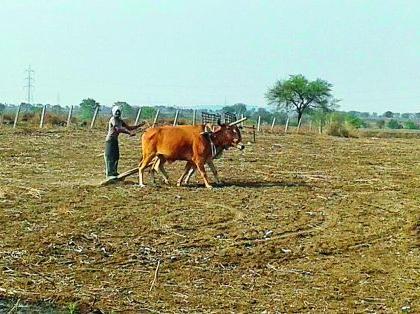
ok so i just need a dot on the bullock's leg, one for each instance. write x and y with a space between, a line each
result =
189 174
143 165
159 166
213 169
188 170
154 167
202 170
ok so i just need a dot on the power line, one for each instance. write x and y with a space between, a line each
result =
29 85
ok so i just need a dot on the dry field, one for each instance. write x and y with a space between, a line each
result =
302 223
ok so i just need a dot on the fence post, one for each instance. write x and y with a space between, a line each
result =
69 115
156 118
176 117
95 114
253 133
41 123
194 116
272 124
138 116
16 117
299 123
259 124
242 123
287 125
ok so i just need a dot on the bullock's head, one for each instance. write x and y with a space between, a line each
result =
228 135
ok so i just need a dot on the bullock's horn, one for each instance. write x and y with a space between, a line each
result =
238 121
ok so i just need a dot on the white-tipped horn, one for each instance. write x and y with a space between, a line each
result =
238 121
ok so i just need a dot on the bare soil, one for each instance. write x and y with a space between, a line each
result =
302 223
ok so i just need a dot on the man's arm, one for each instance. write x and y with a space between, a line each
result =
129 127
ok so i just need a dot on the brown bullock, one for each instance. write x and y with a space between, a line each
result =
189 143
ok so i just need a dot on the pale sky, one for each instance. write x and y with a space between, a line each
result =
186 53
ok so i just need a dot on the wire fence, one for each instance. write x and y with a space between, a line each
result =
157 118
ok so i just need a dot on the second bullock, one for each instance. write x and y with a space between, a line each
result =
189 143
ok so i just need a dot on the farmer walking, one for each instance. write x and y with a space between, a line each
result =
112 152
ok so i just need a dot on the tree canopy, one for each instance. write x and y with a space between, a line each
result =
87 108
238 108
126 110
388 114
299 94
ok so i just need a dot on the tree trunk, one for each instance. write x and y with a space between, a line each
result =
300 114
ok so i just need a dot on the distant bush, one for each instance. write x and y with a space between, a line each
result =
340 126
394 124
8 118
380 124
390 133
27 116
55 119
411 125
341 129
355 121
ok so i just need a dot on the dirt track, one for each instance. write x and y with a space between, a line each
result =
303 223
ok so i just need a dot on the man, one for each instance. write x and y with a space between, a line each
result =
112 152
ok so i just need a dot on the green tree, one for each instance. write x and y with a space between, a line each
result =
127 111
148 112
281 117
406 115
394 124
299 94
238 109
87 108
25 107
2 108
265 115
388 114
57 109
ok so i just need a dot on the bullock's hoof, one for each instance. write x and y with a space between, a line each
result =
209 186
141 185
166 182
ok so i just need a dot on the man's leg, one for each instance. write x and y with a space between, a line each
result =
111 158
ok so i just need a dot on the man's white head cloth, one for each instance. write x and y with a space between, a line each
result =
116 111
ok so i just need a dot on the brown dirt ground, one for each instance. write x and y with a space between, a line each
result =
302 223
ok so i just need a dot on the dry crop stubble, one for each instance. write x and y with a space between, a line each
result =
302 223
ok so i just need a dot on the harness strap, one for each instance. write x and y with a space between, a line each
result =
207 136
213 148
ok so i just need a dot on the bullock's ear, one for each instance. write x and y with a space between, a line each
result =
217 129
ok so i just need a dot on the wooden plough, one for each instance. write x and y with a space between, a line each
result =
120 177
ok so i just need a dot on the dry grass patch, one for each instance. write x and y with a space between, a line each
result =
303 223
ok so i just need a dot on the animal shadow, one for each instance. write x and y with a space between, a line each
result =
260 184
